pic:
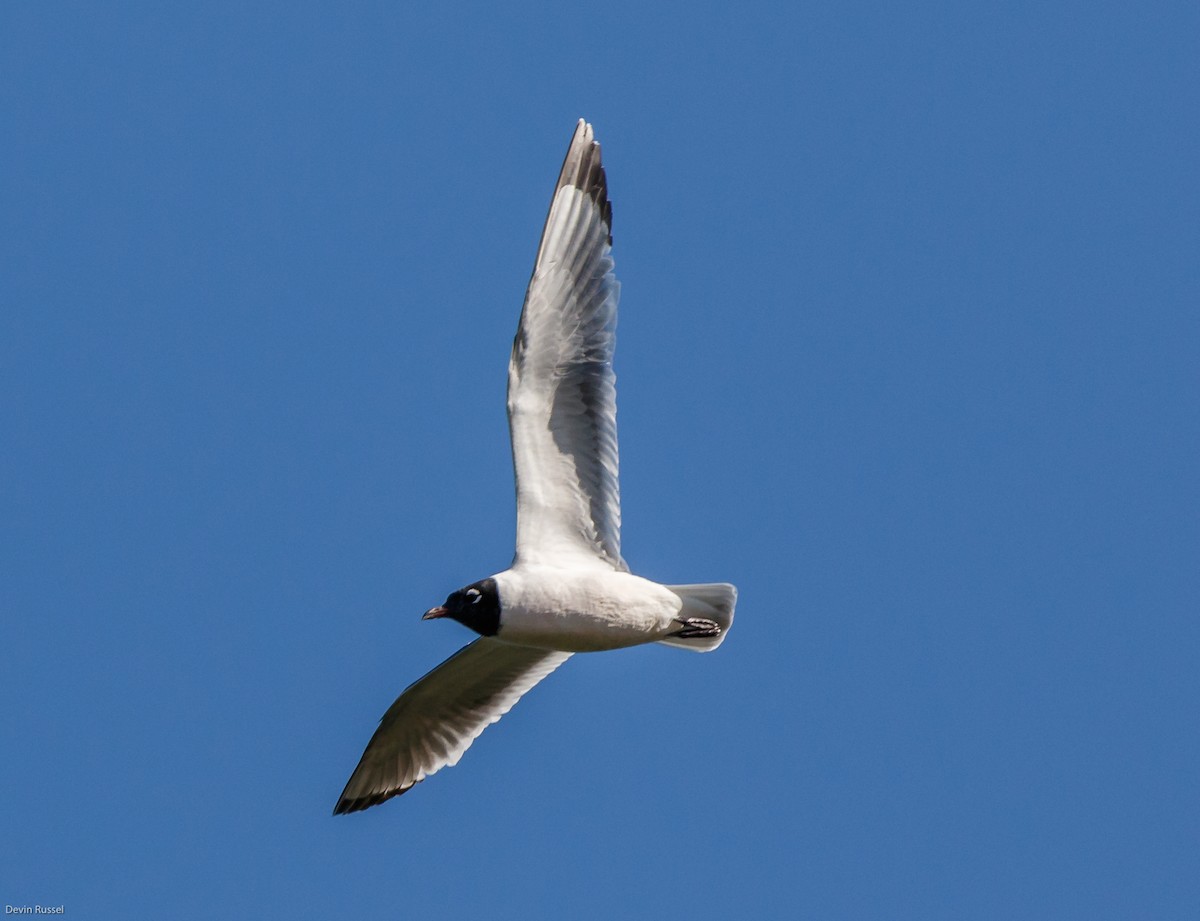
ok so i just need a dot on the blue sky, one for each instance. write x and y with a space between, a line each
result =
908 351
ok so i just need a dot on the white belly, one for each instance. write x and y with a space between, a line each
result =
582 611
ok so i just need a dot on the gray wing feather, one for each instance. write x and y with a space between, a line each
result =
436 719
561 386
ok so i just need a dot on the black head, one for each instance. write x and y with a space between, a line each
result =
477 606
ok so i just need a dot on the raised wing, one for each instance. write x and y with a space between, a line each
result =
562 407
436 719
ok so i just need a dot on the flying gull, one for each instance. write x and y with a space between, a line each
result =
568 589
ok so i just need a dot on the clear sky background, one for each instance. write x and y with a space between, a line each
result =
909 350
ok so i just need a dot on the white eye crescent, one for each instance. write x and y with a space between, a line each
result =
473 594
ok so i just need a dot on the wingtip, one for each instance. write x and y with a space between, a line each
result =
584 169
346 805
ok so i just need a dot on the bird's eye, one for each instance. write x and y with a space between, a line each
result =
474 595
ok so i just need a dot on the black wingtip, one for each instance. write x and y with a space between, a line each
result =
583 169
346 804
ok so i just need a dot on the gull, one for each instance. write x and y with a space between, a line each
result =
568 589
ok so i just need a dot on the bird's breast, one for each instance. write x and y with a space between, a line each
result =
583 612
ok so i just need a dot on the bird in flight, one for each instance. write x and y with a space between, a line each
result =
568 589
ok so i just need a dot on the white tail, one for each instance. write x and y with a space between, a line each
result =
712 601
